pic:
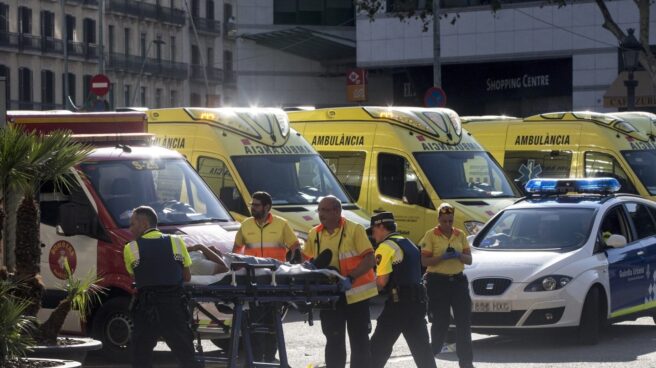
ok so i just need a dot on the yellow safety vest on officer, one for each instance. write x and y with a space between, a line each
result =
351 244
270 240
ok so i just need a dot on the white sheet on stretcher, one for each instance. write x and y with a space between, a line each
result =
283 270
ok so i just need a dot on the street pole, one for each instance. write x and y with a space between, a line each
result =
3 102
65 43
437 48
101 39
630 91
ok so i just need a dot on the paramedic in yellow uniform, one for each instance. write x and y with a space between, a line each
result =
445 251
353 257
264 235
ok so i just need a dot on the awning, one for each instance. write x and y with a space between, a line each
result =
645 93
307 43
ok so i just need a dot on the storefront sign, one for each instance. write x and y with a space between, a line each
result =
356 85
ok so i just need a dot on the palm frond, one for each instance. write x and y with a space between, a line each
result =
15 328
15 146
83 292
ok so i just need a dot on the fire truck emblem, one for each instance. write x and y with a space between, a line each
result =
61 252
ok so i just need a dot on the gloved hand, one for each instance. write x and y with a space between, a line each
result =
347 284
451 255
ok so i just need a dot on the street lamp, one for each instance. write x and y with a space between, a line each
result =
157 42
630 48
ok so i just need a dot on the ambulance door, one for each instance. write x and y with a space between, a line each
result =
599 164
218 175
397 188
77 252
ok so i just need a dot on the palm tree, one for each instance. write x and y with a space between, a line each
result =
15 145
50 158
80 295
15 328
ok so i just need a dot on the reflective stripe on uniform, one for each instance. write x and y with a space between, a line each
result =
362 292
177 245
134 249
265 245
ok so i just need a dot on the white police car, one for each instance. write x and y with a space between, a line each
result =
557 259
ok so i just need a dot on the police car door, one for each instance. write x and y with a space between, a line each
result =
643 218
626 265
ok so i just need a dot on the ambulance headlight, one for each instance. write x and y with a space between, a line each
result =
549 283
473 227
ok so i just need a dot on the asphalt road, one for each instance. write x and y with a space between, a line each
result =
627 344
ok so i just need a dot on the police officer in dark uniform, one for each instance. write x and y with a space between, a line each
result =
399 273
159 263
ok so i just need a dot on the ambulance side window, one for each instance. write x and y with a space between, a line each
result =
217 176
398 180
348 167
642 220
602 165
50 200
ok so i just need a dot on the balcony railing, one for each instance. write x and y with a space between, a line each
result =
82 50
134 64
207 25
230 30
144 10
213 74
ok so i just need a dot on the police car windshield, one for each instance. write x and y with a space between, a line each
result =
170 186
538 229
465 174
643 164
290 179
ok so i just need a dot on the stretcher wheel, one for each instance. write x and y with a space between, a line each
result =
112 324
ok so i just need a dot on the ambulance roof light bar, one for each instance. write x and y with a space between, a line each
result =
563 186
436 122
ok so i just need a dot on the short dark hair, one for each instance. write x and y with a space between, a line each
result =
389 226
263 197
148 213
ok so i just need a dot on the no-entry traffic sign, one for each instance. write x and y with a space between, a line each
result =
435 97
99 84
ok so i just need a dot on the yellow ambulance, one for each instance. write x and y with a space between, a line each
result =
574 144
408 160
239 151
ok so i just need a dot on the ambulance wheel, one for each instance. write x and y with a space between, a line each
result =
590 324
113 325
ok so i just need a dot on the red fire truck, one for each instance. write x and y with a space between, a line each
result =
87 224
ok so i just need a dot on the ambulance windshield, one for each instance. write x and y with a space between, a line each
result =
170 186
465 174
643 164
290 179
538 229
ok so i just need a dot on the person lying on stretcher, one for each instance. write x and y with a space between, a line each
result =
211 261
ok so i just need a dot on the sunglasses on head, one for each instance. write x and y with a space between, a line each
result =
446 210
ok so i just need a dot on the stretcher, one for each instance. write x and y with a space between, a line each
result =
258 282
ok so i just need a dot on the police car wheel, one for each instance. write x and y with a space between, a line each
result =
113 325
590 324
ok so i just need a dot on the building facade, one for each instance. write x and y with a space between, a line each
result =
156 53
526 58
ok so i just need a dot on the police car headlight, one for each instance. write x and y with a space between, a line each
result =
548 283
473 227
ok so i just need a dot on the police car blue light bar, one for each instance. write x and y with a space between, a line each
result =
590 185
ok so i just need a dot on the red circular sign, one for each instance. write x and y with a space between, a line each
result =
99 84
435 97
61 252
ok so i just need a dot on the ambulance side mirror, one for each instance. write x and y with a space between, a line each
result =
75 219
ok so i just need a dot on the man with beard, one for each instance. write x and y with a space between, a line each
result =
269 236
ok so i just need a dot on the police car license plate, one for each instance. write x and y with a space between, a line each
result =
484 306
